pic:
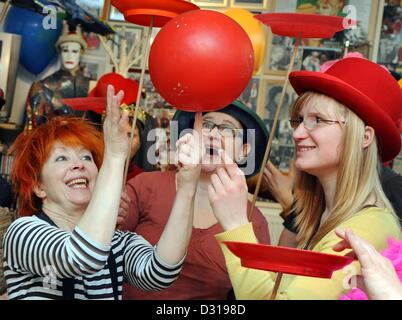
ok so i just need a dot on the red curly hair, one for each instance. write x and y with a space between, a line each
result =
32 149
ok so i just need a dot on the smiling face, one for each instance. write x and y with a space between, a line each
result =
214 140
70 55
318 150
67 178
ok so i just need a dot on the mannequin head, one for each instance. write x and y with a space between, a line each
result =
70 55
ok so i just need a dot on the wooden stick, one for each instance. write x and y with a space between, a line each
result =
276 286
4 11
147 46
105 11
273 129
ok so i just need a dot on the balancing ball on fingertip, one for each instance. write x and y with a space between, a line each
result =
201 60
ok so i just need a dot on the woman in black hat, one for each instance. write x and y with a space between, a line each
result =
238 131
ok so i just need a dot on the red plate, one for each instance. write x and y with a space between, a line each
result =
141 11
303 25
287 260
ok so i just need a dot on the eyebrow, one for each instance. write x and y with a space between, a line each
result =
223 122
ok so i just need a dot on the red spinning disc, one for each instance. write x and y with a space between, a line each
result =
288 260
305 25
141 11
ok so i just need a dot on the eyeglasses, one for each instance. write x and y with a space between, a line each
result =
311 122
223 129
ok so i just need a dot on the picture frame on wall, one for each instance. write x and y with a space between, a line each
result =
271 91
282 148
153 100
314 58
132 34
115 15
94 44
211 3
250 95
250 4
93 66
278 56
94 7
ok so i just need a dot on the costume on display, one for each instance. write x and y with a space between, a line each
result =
44 97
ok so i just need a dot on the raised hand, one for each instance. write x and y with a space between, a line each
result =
379 279
190 151
228 194
115 134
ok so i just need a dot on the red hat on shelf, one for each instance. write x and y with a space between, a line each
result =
96 100
367 89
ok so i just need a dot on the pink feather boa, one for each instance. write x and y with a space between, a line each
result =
394 254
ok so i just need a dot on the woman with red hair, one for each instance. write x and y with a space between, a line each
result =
65 245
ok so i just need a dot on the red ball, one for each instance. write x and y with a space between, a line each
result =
201 60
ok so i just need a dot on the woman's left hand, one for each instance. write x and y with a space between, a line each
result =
115 135
228 194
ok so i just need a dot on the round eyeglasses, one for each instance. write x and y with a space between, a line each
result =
311 122
223 129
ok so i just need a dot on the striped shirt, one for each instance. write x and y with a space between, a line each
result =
37 256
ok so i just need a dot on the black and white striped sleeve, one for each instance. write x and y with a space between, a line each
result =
144 268
33 246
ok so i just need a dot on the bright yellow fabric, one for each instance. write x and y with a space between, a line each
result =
373 224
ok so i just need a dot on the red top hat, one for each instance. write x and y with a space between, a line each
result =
367 89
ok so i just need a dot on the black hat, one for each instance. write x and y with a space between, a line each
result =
248 119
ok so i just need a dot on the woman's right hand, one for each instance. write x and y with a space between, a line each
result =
114 126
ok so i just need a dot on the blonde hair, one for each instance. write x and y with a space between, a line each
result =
357 180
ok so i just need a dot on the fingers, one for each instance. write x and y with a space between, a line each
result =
271 168
109 99
198 122
231 167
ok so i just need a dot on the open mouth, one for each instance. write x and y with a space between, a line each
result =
78 183
302 149
212 151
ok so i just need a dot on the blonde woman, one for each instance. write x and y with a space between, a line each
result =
343 127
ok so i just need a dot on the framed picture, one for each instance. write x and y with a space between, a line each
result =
279 54
282 145
94 7
359 38
251 4
250 95
314 58
153 102
389 51
10 45
93 66
272 90
94 45
282 148
133 36
211 3
115 15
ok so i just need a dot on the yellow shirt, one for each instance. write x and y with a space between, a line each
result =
372 224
